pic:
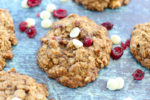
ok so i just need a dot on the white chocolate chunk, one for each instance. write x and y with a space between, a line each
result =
112 84
74 32
30 22
120 82
64 0
77 43
128 99
46 23
16 98
50 7
45 14
115 39
24 4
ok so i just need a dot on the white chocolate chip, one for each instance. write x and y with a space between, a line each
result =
45 14
24 4
30 22
50 7
77 43
120 82
46 23
133 45
115 84
115 39
112 84
64 0
74 32
128 99
16 98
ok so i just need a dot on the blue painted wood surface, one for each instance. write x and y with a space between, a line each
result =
124 19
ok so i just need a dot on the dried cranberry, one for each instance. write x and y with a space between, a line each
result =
127 43
37 15
31 32
88 42
23 26
116 53
60 13
108 25
58 26
123 45
138 74
33 3
53 38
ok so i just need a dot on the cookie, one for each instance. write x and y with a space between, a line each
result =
140 44
7 37
74 51
100 5
16 86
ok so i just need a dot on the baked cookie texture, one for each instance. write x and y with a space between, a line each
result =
7 37
140 44
15 85
71 66
100 5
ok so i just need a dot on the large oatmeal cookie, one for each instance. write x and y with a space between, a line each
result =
71 66
140 44
15 85
7 37
99 5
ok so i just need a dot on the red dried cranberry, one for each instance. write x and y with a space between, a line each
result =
60 13
33 3
23 26
138 74
108 25
31 32
123 45
58 26
88 42
116 53
37 15
53 38
127 43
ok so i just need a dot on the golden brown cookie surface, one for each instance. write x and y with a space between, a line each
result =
7 37
71 66
140 44
16 86
100 5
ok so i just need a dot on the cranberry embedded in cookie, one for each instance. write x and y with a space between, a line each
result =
74 51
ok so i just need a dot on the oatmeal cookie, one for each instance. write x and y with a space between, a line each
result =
140 44
22 87
100 5
64 57
7 37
